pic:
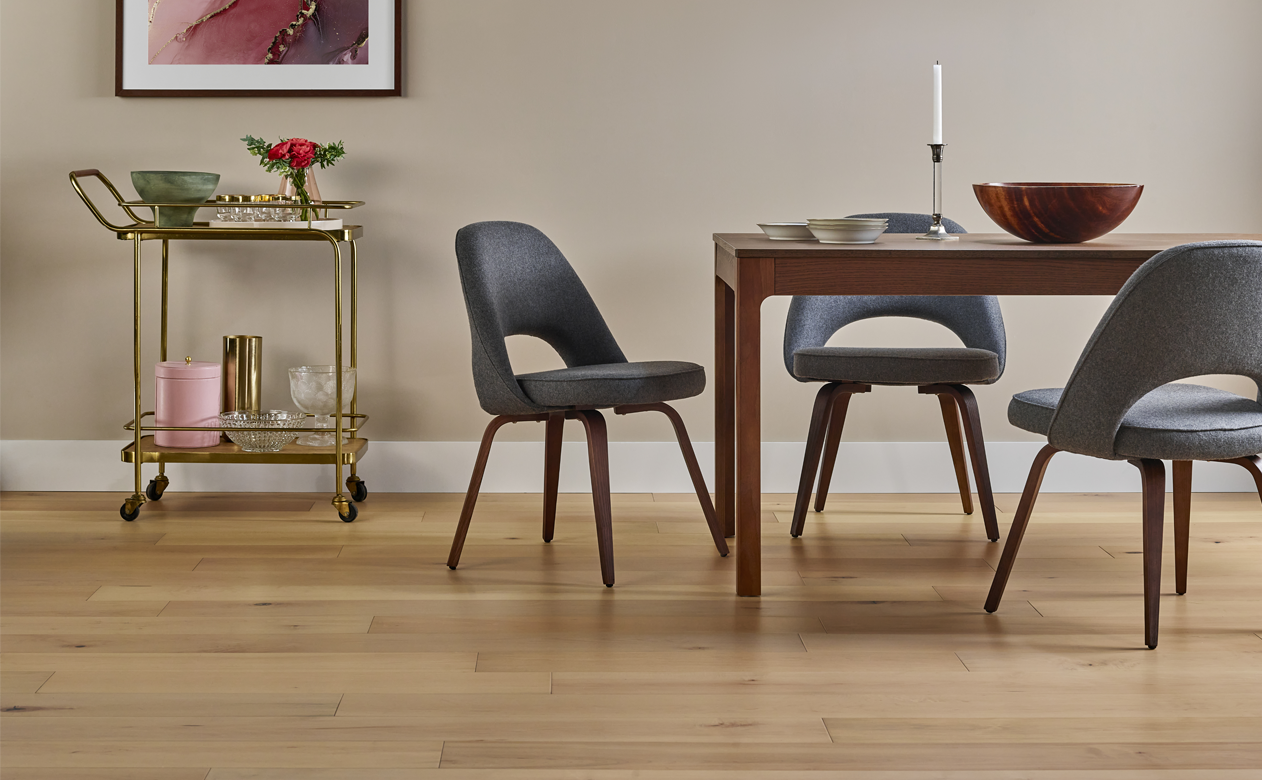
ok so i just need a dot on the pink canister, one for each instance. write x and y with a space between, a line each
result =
186 393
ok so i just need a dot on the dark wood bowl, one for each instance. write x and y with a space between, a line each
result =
1057 213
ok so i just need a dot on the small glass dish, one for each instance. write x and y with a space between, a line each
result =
278 426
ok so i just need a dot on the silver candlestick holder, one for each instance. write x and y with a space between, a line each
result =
937 231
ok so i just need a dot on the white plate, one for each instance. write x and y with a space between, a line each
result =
847 235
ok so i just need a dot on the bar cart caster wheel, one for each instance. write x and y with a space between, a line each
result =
345 509
359 491
157 486
130 509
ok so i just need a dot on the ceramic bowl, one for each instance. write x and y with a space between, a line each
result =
847 234
175 187
1057 213
786 231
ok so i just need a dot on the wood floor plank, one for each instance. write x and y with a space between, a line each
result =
863 731
368 680
15 681
437 726
253 753
332 624
169 705
698 660
313 662
1099 756
106 773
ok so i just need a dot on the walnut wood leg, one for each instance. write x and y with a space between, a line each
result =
810 462
725 406
598 459
951 420
690 460
1154 477
475 481
1253 465
967 404
1182 522
1019 522
552 471
836 423
756 280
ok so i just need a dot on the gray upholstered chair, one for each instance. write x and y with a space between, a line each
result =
1189 311
944 372
516 282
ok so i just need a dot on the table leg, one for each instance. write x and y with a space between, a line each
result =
725 406
756 277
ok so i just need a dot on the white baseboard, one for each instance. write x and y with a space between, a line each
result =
635 467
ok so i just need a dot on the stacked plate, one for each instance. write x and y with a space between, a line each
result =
851 230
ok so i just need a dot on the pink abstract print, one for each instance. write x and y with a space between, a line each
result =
258 32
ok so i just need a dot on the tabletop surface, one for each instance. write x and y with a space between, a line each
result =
992 245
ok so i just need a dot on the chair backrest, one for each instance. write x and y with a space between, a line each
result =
516 282
976 319
1190 310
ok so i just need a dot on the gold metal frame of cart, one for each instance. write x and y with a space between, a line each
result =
341 453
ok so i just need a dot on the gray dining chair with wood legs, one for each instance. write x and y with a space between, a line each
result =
944 372
1189 311
516 282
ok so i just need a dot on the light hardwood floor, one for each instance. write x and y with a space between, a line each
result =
227 637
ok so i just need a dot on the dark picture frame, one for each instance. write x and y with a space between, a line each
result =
134 76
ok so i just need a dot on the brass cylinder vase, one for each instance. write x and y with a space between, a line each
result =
242 373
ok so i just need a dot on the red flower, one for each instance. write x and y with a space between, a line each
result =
280 151
302 152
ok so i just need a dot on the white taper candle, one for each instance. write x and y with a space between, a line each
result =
937 103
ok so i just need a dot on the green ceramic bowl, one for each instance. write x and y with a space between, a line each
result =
175 187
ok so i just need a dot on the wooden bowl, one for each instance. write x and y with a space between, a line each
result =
1057 213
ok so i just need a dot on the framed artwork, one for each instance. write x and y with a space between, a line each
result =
258 48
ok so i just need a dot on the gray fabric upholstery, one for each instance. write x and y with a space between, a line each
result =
813 319
1173 422
1189 311
614 384
897 366
516 282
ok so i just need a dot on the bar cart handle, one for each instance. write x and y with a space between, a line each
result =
74 180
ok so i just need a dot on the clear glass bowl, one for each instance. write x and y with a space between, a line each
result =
280 422
314 390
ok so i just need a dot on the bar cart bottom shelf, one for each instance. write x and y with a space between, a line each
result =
353 451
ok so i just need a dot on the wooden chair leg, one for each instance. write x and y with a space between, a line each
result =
1182 522
552 471
836 422
690 460
598 459
951 421
1019 522
810 463
1154 477
967 404
475 482
1252 464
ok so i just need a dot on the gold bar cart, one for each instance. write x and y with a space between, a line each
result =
343 454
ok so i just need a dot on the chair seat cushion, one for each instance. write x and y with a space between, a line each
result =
614 384
1174 422
897 365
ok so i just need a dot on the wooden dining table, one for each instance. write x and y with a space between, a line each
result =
749 268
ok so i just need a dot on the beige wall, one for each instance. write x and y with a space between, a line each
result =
629 132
